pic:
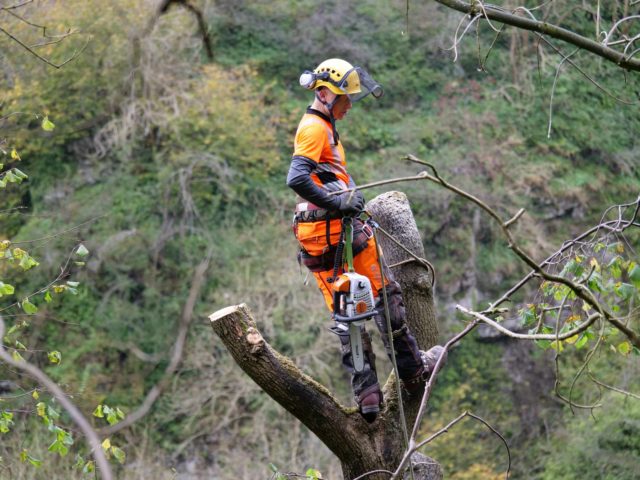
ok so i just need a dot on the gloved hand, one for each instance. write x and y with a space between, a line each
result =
351 203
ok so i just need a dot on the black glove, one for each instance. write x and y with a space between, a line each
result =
351 203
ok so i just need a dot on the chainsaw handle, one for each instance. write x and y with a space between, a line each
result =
362 316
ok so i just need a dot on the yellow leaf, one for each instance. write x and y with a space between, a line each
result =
557 346
14 155
106 444
624 348
586 307
573 318
619 248
47 125
35 395
572 340
594 263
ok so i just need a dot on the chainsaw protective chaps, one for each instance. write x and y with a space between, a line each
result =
407 353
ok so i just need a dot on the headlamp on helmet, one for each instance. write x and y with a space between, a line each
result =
342 78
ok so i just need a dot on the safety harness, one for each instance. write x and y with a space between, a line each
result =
332 257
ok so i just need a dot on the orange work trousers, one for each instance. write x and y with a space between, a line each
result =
313 239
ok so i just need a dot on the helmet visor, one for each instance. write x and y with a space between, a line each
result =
367 86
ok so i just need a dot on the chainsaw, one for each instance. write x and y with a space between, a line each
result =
352 302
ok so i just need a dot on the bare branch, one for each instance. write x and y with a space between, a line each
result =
18 5
614 389
78 418
446 428
40 57
530 336
493 12
202 24
427 393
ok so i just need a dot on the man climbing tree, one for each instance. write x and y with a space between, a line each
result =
317 172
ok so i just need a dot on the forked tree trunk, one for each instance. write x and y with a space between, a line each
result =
361 447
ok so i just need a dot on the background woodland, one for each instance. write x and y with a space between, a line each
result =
166 157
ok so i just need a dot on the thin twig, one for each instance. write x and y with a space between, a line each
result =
78 418
529 336
609 387
40 57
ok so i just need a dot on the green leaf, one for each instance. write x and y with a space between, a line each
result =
634 274
16 356
614 266
20 345
119 454
557 346
10 177
6 420
53 413
20 174
55 357
58 447
98 412
25 457
111 414
625 290
6 289
581 342
27 262
89 467
47 125
73 284
47 296
82 251
313 474
28 307
624 348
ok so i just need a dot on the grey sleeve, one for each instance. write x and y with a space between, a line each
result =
299 179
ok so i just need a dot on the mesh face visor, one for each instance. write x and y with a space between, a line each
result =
367 85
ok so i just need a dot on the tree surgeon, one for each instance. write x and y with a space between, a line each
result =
318 167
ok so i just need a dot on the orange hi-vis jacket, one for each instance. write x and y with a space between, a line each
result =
314 141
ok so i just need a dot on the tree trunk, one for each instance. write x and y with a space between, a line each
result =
361 447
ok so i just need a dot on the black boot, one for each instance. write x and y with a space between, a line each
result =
366 388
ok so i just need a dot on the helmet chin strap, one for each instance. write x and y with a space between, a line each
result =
329 107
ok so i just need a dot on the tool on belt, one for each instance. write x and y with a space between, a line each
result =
352 297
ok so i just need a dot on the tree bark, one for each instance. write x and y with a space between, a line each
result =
361 447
